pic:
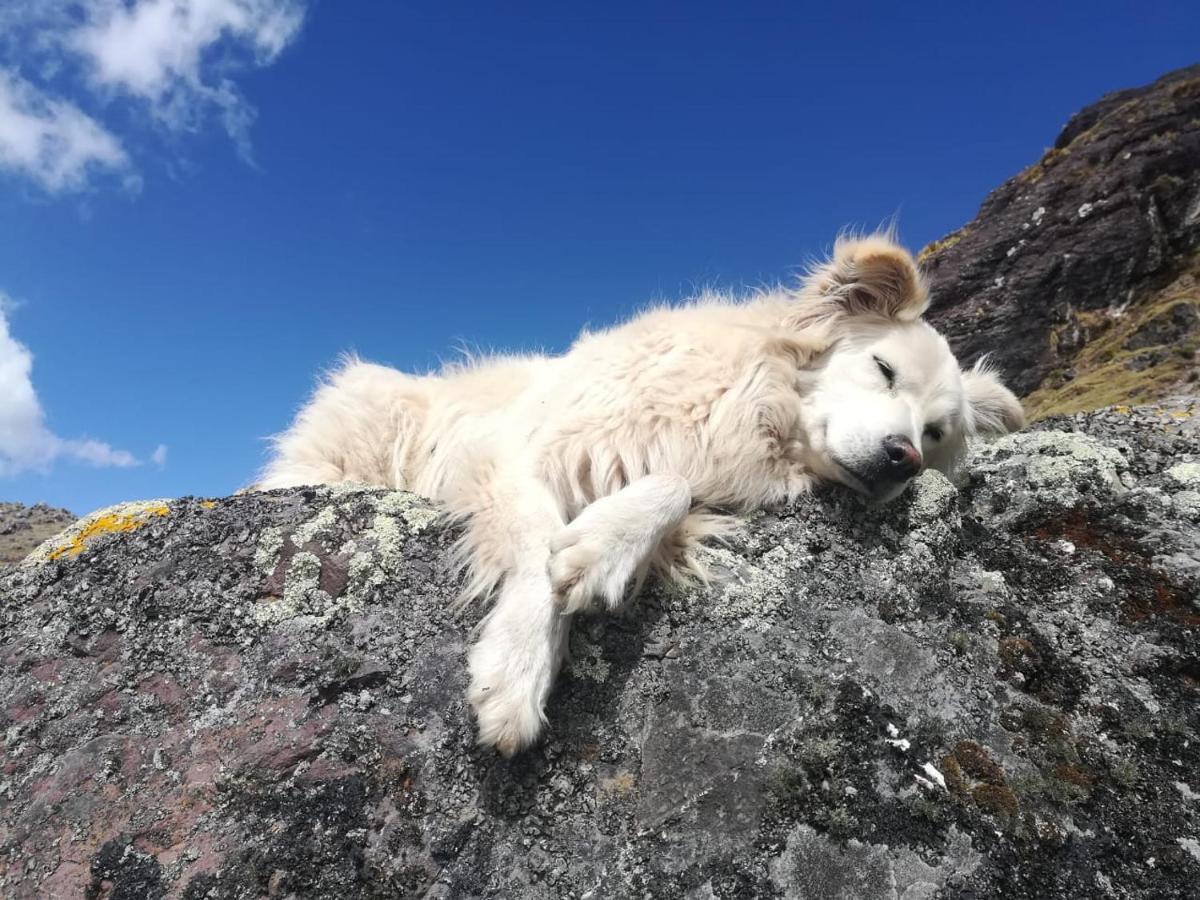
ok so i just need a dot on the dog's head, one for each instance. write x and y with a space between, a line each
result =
889 398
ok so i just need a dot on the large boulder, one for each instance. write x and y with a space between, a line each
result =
1081 275
989 690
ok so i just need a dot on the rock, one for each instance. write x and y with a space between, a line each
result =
1087 257
24 527
977 691
1175 324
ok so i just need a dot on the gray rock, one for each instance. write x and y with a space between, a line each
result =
980 691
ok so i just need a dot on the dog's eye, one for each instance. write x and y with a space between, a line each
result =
888 372
933 432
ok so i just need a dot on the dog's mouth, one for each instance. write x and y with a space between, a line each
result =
853 480
880 491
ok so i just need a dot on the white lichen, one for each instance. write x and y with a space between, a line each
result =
931 770
322 526
933 496
1185 474
270 543
991 582
754 592
416 512
1191 845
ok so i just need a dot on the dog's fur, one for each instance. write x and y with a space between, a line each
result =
574 475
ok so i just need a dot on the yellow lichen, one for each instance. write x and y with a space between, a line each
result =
208 504
113 520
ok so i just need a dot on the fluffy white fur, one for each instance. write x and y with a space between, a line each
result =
575 475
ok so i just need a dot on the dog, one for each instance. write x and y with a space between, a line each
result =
574 476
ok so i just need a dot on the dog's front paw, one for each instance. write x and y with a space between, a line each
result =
585 567
507 703
572 565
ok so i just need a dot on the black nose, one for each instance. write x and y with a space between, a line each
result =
903 459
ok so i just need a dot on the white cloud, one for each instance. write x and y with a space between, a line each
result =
159 456
52 141
26 444
173 58
156 46
96 453
157 50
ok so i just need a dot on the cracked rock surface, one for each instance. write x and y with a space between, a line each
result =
976 692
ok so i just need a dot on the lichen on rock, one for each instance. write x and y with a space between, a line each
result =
110 520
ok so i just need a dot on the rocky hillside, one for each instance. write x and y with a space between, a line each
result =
992 691
24 527
1081 275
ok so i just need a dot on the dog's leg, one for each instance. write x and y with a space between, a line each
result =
523 639
612 540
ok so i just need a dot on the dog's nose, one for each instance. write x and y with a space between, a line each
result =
903 459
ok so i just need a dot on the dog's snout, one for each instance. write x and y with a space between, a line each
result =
903 459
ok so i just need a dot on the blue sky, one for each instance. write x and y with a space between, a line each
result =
203 202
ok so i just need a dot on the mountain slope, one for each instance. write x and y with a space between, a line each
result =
1079 275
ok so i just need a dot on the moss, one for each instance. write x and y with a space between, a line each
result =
619 783
1072 775
953 773
943 244
1018 654
1049 160
817 752
976 762
1107 374
788 787
1125 773
996 616
1168 182
996 800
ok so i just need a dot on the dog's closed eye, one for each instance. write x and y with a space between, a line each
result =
888 372
934 432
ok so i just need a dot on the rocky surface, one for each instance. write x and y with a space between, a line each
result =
976 692
1080 275
24 527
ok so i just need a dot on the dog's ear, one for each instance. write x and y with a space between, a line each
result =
994 409
872 276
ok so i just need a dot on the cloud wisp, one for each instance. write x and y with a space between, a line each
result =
50 141
67 66
26 443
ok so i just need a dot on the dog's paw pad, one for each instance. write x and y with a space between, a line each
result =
506 721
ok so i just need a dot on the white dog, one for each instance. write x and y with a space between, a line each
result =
574 475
